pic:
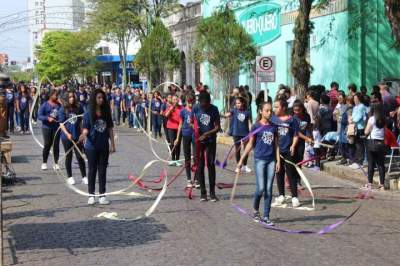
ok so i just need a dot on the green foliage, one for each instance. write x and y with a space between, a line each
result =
158 55
63 54
222 42
25 76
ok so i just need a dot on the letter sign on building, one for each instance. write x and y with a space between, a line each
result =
262 22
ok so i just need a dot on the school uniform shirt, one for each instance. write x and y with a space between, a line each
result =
206 120
82 97
287 130
240 122
264 145
10 96
128 101
156 105
73 125
98 132
174 117
117 100
142 106
47 110
303 122
185 116
24 102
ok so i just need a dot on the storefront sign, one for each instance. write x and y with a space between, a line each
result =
262 22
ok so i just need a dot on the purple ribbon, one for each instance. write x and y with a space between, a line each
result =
323 231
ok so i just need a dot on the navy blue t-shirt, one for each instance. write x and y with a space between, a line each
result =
73 125
141 106
98 132
109 96
206 120
47 110
128 101
24 102
264 145
10 97
185 115
240 122
117 100
82 97
156 105
287 130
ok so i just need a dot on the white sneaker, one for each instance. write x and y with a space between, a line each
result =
85 181
56 167
189 184
71 181
279 201
91 201
103 201
171 164
245 169
295 202
354 166
177 164
44 166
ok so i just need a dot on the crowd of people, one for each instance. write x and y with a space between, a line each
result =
354 125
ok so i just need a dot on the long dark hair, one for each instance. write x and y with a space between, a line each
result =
260 110
378 112
71 108
104 109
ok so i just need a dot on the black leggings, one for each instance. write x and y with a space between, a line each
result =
48 136
68 158
24 119
188 146
376 158
238 146
98 162
209 150
292 175
172 134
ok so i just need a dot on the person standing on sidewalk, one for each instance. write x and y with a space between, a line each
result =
375 132
206 117
49 115
172 114
266 160
98 134
288 129
70 131
358 117
239 128
24 102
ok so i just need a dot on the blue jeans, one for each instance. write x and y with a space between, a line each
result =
265 173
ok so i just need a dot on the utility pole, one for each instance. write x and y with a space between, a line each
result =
44 15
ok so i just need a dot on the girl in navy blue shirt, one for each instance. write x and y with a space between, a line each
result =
240 124
49 115
116 103
288 128
127 106
185 132
24 101
97 133
71 130
10 96
208 121
266 160
141 111
156 118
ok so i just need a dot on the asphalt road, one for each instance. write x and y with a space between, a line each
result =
48 224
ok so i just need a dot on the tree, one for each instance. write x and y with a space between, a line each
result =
63 54
392 10
224 43
301 68
117 20
158 54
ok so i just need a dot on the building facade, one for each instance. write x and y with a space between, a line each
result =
351 43
52 15
182 26
4 59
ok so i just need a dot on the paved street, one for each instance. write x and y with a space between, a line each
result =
48 224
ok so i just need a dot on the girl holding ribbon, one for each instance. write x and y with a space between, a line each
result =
288 129
49 115
240 125
156 118
172 114
98 134
266 160
70 131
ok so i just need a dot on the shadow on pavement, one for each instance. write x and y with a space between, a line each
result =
85 234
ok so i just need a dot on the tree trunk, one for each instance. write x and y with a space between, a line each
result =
392 10
301 68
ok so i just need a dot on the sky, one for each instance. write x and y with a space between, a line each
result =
15 42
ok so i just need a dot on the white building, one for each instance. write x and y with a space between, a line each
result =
52 15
